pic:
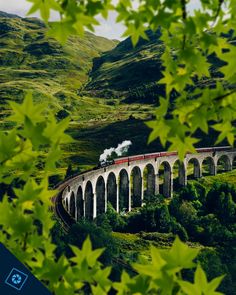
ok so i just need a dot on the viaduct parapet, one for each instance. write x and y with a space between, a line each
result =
125 183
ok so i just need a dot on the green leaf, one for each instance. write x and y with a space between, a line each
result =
201 286
160 130
29 193
55 132
86 254
9 146
135 33
44 6
183 146
122 287
226 131
27 110
229 69
179 257
61 30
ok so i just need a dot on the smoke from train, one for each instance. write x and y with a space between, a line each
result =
120 150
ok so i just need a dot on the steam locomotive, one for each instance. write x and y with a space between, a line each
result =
129 159
106 163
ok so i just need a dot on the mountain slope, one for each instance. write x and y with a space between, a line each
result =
128 72
31 60
132 73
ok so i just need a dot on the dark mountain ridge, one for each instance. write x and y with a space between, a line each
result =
127 71
131 73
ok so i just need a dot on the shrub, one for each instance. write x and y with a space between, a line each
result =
99 237
220 201
163 219
189 192
178 229
115 220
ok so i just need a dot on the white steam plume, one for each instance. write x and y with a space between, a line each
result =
119 150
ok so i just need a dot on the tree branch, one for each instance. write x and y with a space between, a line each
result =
184 17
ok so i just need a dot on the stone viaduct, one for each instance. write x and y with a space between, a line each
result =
125 183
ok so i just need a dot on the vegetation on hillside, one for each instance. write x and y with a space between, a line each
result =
30 60
129 73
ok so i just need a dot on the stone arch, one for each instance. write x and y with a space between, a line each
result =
165 178
234 163
67 204
68 188
193 169
208 166
88 198
149 180
80 203
65 193
72 204
223 164
100 195
112 190
136 187
123 190
179 174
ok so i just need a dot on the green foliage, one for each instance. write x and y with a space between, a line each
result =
111 218
208 219
164 274
216 262
221 200
27 224
187 37
100 238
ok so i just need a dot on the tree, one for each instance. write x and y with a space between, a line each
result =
192 39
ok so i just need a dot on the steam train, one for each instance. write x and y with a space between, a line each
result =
129 159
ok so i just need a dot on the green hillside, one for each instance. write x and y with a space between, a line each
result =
31 60
83 78
129 72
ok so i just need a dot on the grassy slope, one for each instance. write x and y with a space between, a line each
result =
30 60
229 177
125 69
132 73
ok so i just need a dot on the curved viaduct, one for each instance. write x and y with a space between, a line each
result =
124 185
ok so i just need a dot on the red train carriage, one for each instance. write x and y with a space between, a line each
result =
167 154
213 149
136 158
121 160
152 156
223 148
205 150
